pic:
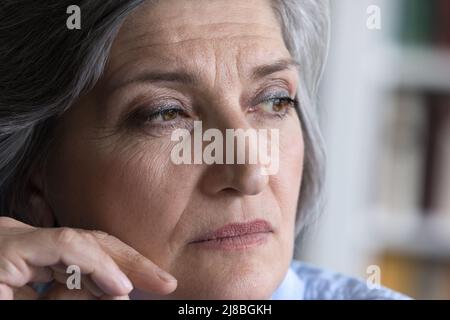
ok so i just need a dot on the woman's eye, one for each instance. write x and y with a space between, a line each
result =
278 106
165 115
160 116
158 119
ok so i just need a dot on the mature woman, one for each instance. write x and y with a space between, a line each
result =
86 175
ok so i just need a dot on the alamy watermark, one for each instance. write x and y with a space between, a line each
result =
373 21
237 146
74 280
73 22
373 280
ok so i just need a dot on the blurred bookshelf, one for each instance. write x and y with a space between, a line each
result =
412 196
386 95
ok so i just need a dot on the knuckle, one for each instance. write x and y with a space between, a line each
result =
88 237
100 234
67 236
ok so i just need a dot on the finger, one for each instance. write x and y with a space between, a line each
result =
141 271
7 222
59 291
87 285
9 226
115 298
17 273
86 282
92 287
6 292
45 247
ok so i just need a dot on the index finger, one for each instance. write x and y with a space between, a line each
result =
142 272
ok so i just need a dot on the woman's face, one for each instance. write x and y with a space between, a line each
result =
172 63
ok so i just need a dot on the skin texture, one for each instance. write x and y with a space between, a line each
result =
108 171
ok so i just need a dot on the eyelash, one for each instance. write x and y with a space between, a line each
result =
164 111
143 116
292 102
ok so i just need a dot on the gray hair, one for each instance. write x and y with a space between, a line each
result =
44 68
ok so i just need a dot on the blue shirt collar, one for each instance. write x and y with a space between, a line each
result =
291 288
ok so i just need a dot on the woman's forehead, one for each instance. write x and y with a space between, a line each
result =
211 14
169 25
200 62
195 42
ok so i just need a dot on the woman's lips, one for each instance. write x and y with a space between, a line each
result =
236 236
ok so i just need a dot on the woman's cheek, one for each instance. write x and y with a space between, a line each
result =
144 200
288 181
291 154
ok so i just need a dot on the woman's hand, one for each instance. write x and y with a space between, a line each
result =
109 268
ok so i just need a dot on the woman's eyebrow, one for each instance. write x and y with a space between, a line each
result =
279 65
187 78
159 76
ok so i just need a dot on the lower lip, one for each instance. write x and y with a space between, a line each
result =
235 243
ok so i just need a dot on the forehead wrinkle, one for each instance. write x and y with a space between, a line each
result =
223 72
160 56
193 40
218 29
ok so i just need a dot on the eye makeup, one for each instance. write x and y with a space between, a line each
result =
158 115
273 103
157 118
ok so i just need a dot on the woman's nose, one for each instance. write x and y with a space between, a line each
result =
247 179
241 172
243 179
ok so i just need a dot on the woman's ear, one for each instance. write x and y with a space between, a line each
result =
38 207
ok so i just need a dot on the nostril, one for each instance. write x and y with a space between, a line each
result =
234 179
231 192
250 180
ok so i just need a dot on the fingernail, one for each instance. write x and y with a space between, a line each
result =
125 282
165 276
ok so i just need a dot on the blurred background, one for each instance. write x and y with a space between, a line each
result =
385 112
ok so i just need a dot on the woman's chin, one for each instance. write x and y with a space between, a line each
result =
240 291
256 284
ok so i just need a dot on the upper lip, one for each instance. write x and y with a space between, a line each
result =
236 229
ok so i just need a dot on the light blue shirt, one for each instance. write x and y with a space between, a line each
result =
305 282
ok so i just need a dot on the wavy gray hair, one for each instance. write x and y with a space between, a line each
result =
44 68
